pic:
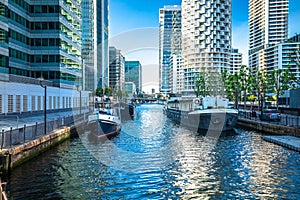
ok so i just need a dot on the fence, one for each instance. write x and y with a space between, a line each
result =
26 133
286 120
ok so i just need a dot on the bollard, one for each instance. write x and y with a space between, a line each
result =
2 142
35 131
24 133
10 137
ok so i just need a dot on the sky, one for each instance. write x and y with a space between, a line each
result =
133 28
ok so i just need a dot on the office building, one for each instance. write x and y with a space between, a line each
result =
133 73
95 43
40 39
116 69
206 38
169 43
130 89
268 25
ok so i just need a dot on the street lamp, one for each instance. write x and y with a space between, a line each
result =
79 90
45 105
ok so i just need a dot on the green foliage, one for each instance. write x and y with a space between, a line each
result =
99 92
238 83
280 80
107 91
201 85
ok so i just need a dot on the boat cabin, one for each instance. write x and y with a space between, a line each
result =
201 103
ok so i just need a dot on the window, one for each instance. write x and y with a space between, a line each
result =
39 103
50 102
25 103
10 103
33 103
58 102
18 103
1 103
54 102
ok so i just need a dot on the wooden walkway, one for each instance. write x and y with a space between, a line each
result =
290 142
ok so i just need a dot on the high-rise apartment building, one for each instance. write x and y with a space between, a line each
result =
176 76
235 61
133 73
268 25
284 56
169 43
95 43
206 38
116 69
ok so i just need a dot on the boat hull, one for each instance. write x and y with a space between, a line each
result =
209 120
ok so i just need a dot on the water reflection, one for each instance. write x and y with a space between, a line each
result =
153 158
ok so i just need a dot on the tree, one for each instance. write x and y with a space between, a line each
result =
108 91
281 80
201 85
237 83
261 86
99 92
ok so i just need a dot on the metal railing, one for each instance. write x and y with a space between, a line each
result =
285 120
26 133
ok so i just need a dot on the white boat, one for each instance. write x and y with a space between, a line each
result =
104 122
204 113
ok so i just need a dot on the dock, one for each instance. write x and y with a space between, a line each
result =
290 142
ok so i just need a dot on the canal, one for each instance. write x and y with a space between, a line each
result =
153 158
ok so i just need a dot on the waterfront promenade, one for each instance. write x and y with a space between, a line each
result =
18 121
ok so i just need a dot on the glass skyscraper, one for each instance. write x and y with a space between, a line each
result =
133 73
169 43
41 39
95 43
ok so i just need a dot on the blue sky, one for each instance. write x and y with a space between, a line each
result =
129 15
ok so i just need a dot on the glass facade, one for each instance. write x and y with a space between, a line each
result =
169 32
133 73
95 43
42 40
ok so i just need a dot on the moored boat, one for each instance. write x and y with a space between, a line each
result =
104 122
126 111
205 113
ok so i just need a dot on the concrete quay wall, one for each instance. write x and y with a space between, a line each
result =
15 156
268 127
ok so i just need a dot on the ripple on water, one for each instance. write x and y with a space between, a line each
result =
153 158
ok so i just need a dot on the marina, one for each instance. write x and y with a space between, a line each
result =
155 158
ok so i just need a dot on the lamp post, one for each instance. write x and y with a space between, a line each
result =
45 104
79 90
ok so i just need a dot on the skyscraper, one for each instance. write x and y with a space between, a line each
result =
169 43
133 73
40 39
206 37
95 43
116 69
235 61
268 25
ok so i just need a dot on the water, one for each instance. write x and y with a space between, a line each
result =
153 158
